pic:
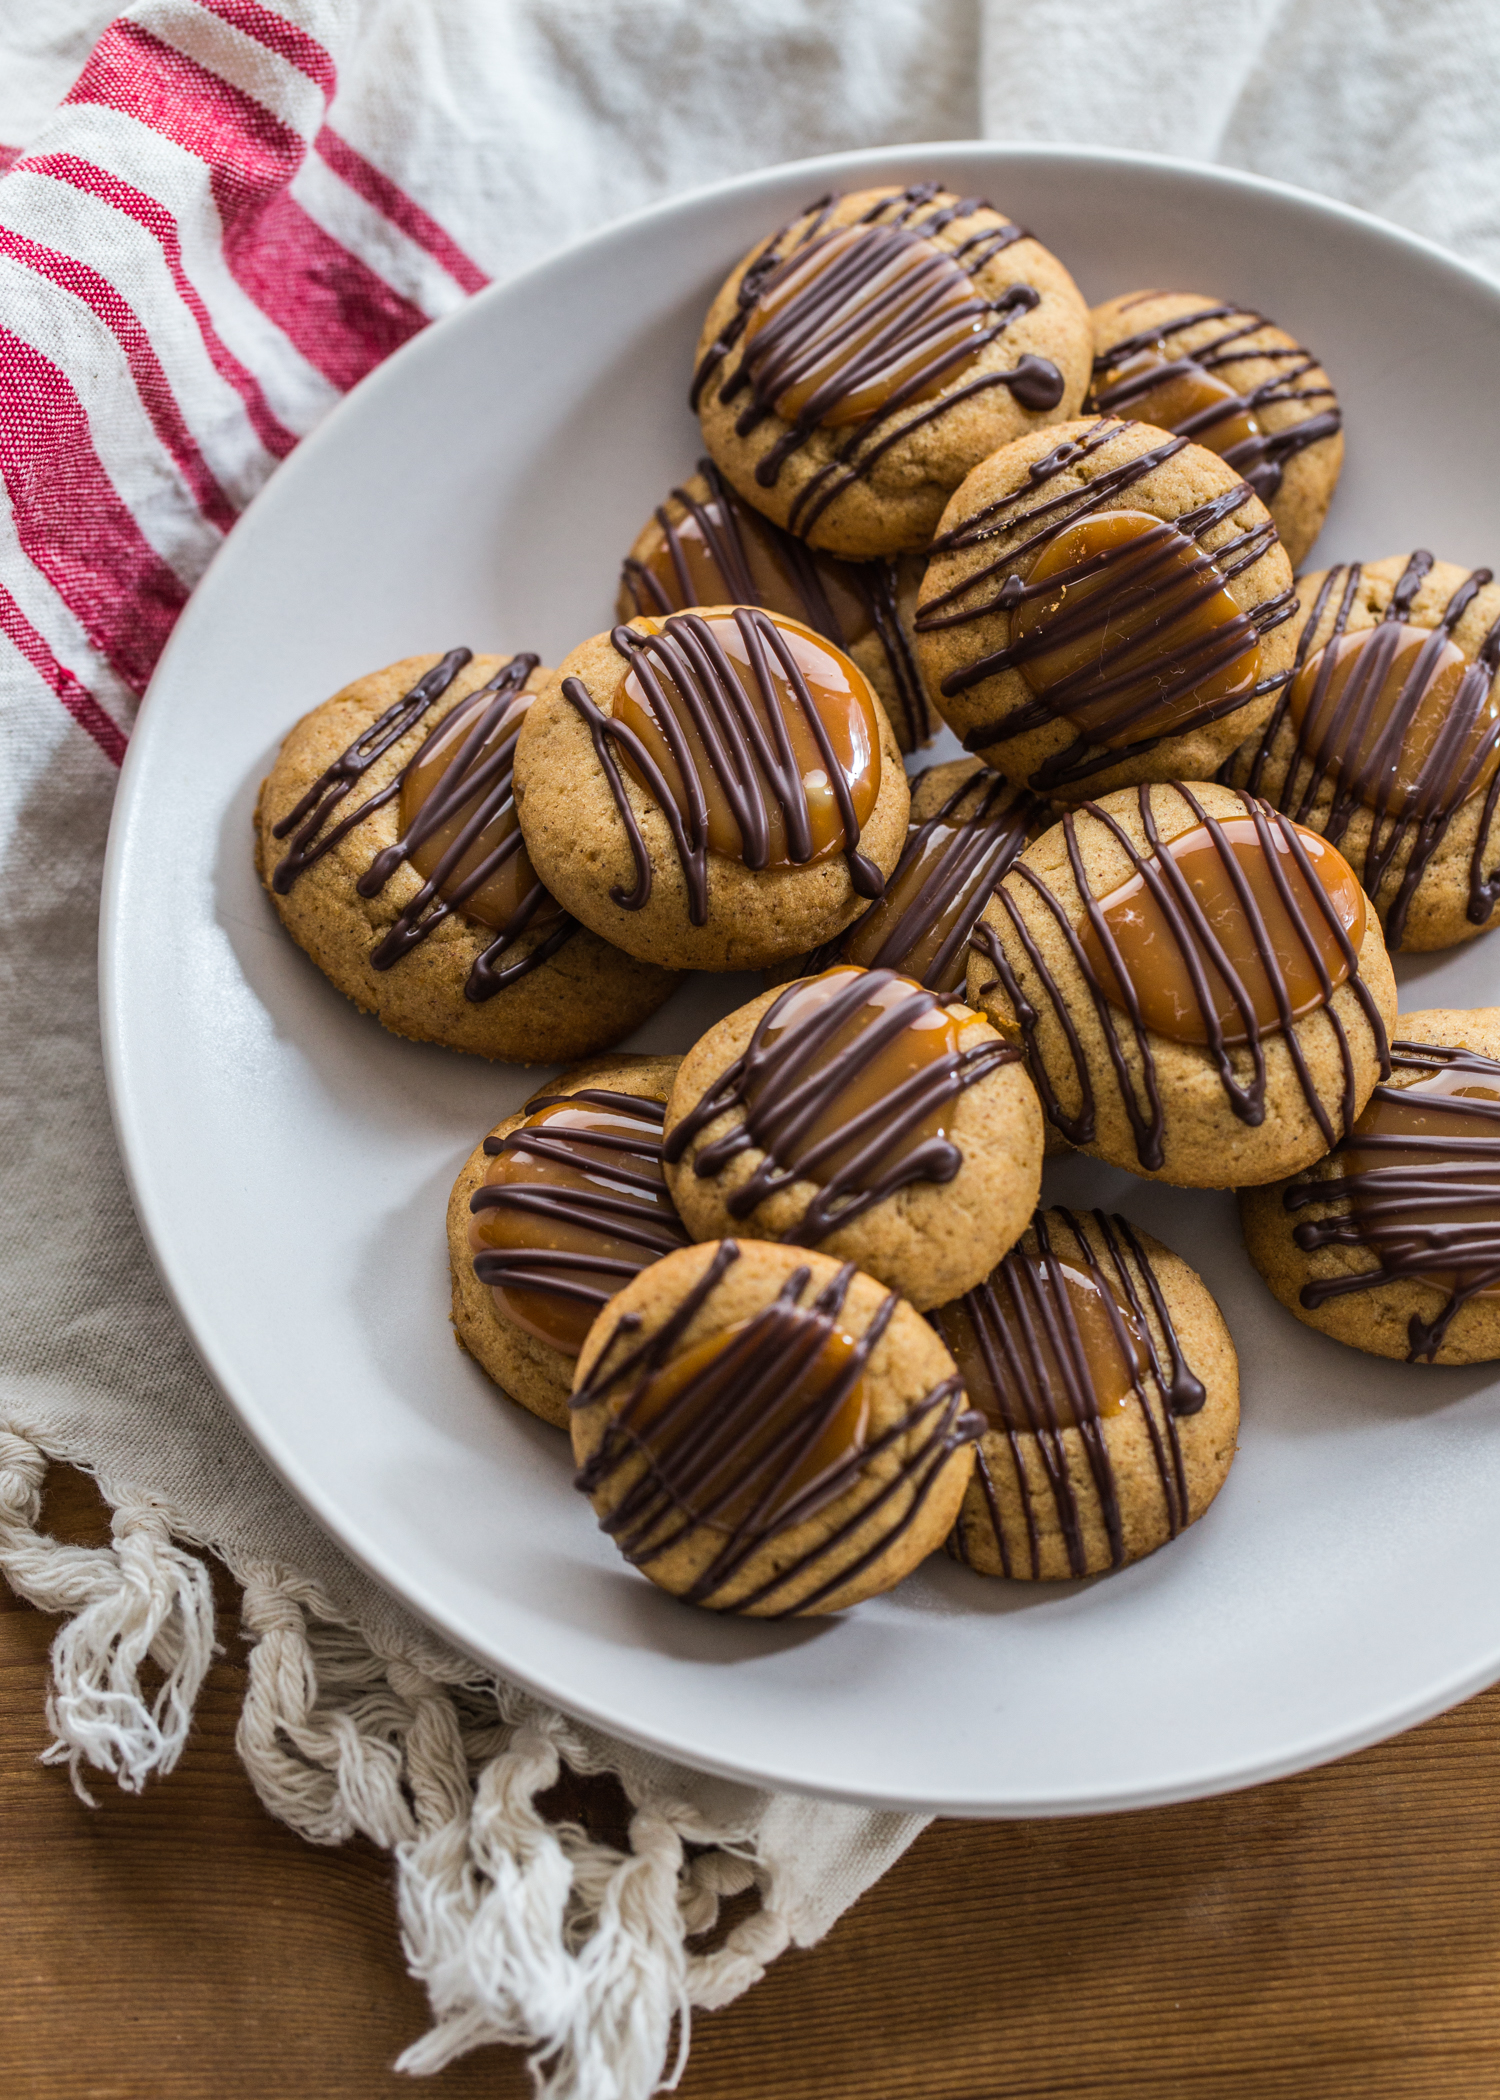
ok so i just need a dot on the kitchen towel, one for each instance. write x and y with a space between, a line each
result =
215 217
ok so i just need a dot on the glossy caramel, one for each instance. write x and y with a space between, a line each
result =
596 1193
1178 394
724 553
1156 942
856 317
717 719
1030 1362
1376 711
732 1456
461 775
1127 628
819 1145
1428 1178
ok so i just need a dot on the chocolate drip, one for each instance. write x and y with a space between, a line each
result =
923 331
1373 722
949 869
1033 1369
1259 455
696 696
794 1084
843 600
763 1428
1430 1212
1117 707
472 797
1199 946
584 1205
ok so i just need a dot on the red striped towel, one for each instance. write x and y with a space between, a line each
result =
194 265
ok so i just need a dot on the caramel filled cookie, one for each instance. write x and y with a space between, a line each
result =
1111 1394
1386 739
706 546
761 1430
386 835
1201 990
714 790
1233 381
1392 1243
857 1112
552 1214
1105 604
858 363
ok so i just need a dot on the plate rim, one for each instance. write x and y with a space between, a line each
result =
875 164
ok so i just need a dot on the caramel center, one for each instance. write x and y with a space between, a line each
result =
727 717
1400 718
1215 928
1128 628
1428 1193
858 317
722 553
885 1047
1178 394
744 1438
573 1206
458 814
1033 1357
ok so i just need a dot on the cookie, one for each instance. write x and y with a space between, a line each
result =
706 546
1392 1243
858 363
552 1213
1386 740
1231 380
1111 1394
386 836
715 790
859 1113
1201 990
762 1430
967 826
1105 604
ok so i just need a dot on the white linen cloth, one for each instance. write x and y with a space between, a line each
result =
219 214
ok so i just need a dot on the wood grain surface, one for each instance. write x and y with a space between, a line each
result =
1327 1938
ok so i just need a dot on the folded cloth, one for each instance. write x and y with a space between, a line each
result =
217 216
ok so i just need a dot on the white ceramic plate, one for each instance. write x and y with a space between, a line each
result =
291 1162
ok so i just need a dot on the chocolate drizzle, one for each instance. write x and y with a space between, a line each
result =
951 866
811 1051
474 795
1356 706
1260 455
585 1200
1033 1371
842 600
885 270
1430 1212
690 683
1028 528
1200 949
755 1441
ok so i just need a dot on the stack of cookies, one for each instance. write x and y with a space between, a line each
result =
791 1293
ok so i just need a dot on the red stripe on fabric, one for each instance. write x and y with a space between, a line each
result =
156 220
402 211
76 698
339 314
9 155
152 384
279 35
72 524
132 71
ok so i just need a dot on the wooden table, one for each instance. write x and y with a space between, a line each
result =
1326 1938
